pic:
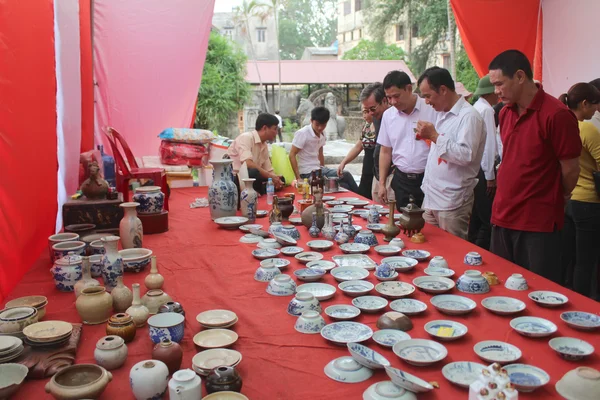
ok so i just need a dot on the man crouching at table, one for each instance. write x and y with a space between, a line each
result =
251 148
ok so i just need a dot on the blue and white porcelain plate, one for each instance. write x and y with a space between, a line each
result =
533 326
462 373
341 209
320 245
548 299
370 304
408 306
231 222
321 264
437 271
291 250
309 274
395 289
247 227
280 263
354 248
458 329
433 284
503 305
346 332
389 337
375 227
419 255
354 260
367 357
420 351
526 378
400 263
452 304
349 273
356 287
308 256
571 349
347 370
342 312
408 381
581 320
321 291
387 249
263 254
495 351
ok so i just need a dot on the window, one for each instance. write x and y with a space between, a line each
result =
357 5
360 33
399 32
261 34
415 31
347 7
228 32
446 61
351 35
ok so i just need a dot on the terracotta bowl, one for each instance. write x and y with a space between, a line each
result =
82 381
11 378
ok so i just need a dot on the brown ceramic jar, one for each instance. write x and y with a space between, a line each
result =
170 353
221 379
121 325
94 305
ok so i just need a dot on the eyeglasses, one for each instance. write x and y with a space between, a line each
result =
370 109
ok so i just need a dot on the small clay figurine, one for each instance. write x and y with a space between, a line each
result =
94 187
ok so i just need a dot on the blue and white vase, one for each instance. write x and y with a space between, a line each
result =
349 228
373 216
112 262
249 200
314 230
341 236
151 200
222 194
67 271
328 232
130 227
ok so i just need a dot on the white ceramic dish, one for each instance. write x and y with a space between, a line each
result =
208 359
269 243
437 271
291 250
408 381
395 289
328 198
462 373
347 370
354 248
408 306
342 312
581 383
453 304
345 332
342 274
386 249
281 285
370 304
581 320
400 263
231 222
295 220
309 274
548 299
571 349
357 203
420 352
493 351
392 277
341 208
321 264
250 238
503 305
367 357
280 263
387 390
419 255
320 245
433 327
308 256
533 326
321 291
354 260
526 378
389 337
433 284
378 228
356 287
215 338
263 254
216 318
246 228
285 240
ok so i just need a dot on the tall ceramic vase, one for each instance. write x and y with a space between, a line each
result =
130 228
222 195
249 200
390 230
112 262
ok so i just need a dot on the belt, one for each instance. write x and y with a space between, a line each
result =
409 175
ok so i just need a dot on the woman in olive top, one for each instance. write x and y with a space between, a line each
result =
582 217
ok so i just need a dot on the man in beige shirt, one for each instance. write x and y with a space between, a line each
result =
251 148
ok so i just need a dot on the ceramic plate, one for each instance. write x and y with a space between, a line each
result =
308 256
346 199
347 370
379 207
215 338
309 274
360 213
28 301
12 355
344 209
462 373
436 271
356 287
354 260
225 396
354 248
420 351
228 325
247 227
269 243
262 213
458 329
392 277
495 351
9 344
386 249
370 304
533 326
321 291
385 390
548 299
400 263
320 245
452 304
295 220
433 284
346 332
571 349
280 263
408 306
231 222
209 359
334 202
581 320
47 331
251 238
395 289
216 317
375 227
389 337
285 240
291 250
503 305
342 312
321 264
408 381
367 357
263 254
328 198
526 378
357 203
419 255
349 273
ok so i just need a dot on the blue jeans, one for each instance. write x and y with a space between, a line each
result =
346 180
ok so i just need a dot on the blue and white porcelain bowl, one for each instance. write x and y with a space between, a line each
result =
342 312
400 263
62 249
135 260
533 326
303 301
150 199
516 282
473 258
385 270
581 320
526 378
367 237
275 227
571 349
265 274
281 285
438 262
291 231
473 282
310 322
97 247
347 370
309 274
166 326
419 255
67 271
367 357
280 263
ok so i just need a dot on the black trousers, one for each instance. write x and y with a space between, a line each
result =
538 252
406 185
480 228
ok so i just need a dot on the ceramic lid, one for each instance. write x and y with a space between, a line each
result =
147 189
120 319
69 259
110 342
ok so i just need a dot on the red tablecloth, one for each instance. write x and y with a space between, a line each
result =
206 267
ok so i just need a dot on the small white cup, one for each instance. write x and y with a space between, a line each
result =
516 282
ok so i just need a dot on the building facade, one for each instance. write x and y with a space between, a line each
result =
262 32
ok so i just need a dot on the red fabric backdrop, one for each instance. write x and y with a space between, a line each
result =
87 77
28 180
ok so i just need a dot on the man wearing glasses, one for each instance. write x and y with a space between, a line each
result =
399 142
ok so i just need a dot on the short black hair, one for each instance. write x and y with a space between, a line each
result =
320 114
396 78
375 89
596 82
265 119
436 77
510 61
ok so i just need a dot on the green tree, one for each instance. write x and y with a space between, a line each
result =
224 89
465 72
369 50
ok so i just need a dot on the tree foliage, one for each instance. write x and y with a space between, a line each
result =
224 89
369 50
465 72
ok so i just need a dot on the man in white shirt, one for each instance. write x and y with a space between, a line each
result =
279 125
480 228
398 140
596 118
306 154
457 142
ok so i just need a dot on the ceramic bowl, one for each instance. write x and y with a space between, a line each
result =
433 284
11 378
251 238
321 291
310 322
462 373
61 249
303 301
309 274
291 231
571 349
408 306
546 298
356 288
367 237
215 338
367 357
226 395
342 312
387 390
60 237
392 277
347 370
385 270
472 282
493 351
321 264
247 227
533 326
285 240
387 250
263 254
419 255
408 381
342 274
320 245
204 361
389 337
168 325
291 250
265 274
345 332
516 282
308 256
397 242
376 228
473 258
233 222
582 383
96 247
420 351
452 330
37 302
503 305
81 381
581 320
400 263
281 285
216 318
370 304
438 262
15 319
279 263
135 260
394 290
354 248
435 271
269 243
526 378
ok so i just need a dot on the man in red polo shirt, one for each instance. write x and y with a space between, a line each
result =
539 169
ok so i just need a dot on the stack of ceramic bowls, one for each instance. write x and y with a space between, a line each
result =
14 320
206 360
37 302
48 333
10 348
218 319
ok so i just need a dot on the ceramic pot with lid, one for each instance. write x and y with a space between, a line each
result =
67 271
148 379
185 385
94 305
81 381
110 352
155 298
221 379
168 352
121 325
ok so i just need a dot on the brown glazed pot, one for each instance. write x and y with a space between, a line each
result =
286 206
121 325
222 379
170 353
94 305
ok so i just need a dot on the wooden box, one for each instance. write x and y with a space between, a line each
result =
105 214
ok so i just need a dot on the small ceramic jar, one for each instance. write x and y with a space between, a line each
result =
155 298
171 306
60 237
62 249
94 305
473 258
151 200
67 271
111 352
185 385
148 379
384 270
168 352
223 379
367 237
303 301
438 262
15 319
81 381
121 325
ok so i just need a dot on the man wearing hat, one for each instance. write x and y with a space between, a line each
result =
480 229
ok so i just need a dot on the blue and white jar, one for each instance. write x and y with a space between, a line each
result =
373 216
349 228
341 236
222 194
249 200
112 262
151 200
367 237
148 379
291 231
314 230
67 271
167 325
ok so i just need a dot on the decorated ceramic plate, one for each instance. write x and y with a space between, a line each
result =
419 255
269 243
343 209
309 274
285 240
356 288
526 378
503 305
452 304
548 299
328 198
354 260
216 318
357 203
291 250
433 284
394 289
347 370
408 381
493 351
386 249
354 248
400 263
462 373
347 199
334 203
320 245
375 227
231 222
581 320
280 263
360 213
370 304
408 306
446 330
571 349
342 312
391 277
263 254
47 331
533 326
436 271
247 227
251 238
367 357
215 338
321 291
321 264
389 337
209 359
308 256
420 351
349 273
345 332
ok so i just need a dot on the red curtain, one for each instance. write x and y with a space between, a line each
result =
488 27
28 163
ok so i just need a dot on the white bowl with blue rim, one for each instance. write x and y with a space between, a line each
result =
436 271
354 248
420 352
455 329
347 370
408 306
280 263
135 260
571 349
310 322
533 326
547 298
263 254
370 304
387 250
473 282
309 274
265 274
281 285
495 351
342 312
345 332
581 320
166 326
473 258
526 378
503 305
322 264
389 337
356 288
321 291
385 271
452 304
366 236
303 301
400 263
462 373
62 249
291 250
386 390
367 357
408 381
342 274
419 255
433 284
